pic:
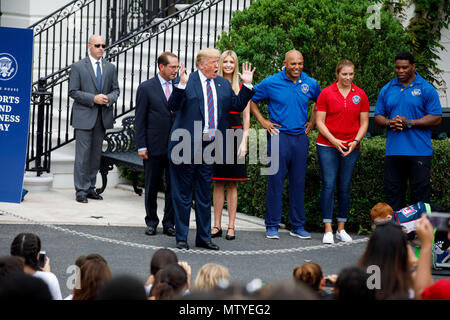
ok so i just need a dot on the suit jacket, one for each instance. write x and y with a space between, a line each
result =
83 88
153 119
189 104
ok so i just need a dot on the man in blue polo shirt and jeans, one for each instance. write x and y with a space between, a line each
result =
408 106
287 93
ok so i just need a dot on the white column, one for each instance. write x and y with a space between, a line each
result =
23 13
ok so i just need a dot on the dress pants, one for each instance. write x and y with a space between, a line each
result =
187 179
398 170
88 153
155 167
293 155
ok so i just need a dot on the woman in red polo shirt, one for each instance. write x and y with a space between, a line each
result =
342 118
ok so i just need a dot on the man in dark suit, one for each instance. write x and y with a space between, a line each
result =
94 88
153 122
202 106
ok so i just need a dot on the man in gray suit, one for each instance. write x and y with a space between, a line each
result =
94 88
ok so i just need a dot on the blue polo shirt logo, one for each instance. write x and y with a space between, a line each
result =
305 88
356 99
416 92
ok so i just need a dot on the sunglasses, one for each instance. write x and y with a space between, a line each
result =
98 45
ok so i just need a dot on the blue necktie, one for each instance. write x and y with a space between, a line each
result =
99 76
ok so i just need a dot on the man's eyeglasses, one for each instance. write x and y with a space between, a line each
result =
98 45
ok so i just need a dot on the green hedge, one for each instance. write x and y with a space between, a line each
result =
126 173
367 185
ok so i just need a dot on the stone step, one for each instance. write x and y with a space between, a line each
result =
62 165
32 182
181 7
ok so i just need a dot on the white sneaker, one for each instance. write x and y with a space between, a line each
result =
343 236
328 238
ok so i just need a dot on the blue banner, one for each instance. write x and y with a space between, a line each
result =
16 59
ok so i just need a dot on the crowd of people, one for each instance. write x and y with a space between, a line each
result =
386 270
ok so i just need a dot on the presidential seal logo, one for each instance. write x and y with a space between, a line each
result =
305 88
416 92
8 66
356 99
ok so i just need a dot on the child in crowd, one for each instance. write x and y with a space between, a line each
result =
28 246
170 283
210 275
311 274
407 218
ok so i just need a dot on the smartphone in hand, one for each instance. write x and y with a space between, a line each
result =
42 256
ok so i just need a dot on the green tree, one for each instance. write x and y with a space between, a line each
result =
429 18
325 31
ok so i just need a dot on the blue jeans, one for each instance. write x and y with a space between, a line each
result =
335 169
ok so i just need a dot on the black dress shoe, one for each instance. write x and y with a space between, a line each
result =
182 245
170 231
217 234
207 245
92 194
150 231
82 199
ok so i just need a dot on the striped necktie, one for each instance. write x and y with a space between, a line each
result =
210 100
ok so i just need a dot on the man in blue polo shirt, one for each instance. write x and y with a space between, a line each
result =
287 94
408 106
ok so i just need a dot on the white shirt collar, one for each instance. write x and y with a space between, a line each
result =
202 76
163 81
93 61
